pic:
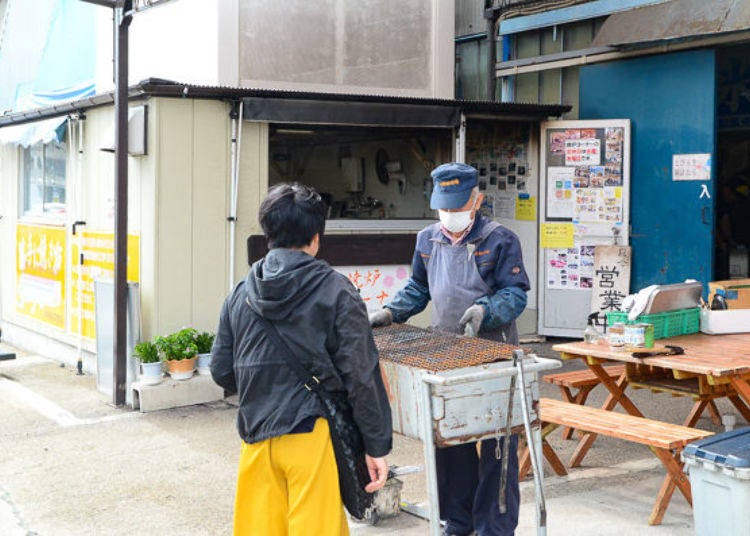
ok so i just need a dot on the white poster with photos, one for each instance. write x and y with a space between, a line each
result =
585 173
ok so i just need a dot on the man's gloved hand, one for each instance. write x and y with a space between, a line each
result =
381 318
471 320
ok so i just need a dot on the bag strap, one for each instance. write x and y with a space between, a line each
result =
310 382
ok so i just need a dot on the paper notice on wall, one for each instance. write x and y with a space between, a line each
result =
611 278
526 209
570 268
376 284
691 167
556 235
597 205
505 207
585 151
561 202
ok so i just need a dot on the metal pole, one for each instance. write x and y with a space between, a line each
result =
122 22
534 443
428 442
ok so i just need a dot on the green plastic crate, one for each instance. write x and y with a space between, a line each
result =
668 324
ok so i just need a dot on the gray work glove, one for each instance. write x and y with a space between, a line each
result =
381 318
471 320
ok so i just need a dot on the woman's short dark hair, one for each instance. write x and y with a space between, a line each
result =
291 215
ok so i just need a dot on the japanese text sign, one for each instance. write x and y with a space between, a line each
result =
611 278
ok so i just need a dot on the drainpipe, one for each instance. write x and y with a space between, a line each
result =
236 145
491 15
461 140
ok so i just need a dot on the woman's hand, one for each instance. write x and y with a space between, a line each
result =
378 469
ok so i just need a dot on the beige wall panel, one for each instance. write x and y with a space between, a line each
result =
252 189
149 200
395 47
211 182
173 255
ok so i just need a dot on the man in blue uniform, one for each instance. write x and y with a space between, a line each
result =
472 270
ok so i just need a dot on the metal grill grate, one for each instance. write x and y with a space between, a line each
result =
435 351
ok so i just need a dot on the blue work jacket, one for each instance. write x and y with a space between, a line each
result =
500 264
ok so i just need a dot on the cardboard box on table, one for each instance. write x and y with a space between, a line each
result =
737 292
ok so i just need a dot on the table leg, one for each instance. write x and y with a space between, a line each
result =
695 413
579 398
741 406
743 389
588 439
616 390
714 412
675 478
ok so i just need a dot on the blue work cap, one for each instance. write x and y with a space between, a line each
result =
452 185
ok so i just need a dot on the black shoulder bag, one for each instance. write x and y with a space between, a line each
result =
348 446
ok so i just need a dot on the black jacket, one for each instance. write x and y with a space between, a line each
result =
322 318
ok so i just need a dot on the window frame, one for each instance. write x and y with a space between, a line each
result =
26 209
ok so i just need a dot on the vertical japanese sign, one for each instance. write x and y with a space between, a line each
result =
611 278
99 263
376 284
40 273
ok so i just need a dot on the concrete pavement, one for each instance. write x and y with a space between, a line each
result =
70 464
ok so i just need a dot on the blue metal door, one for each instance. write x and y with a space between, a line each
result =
671 102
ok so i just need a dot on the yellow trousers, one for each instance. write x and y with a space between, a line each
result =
288 486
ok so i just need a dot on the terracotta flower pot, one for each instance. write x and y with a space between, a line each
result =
181 369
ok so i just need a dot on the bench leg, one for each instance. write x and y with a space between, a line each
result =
579 398
588 439
553 459
695 413
524 458
675 478
524 464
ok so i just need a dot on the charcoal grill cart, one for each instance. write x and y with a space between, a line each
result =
447 389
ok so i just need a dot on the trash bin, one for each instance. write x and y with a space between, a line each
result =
719 470
104 301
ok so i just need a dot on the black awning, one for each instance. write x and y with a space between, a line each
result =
327 112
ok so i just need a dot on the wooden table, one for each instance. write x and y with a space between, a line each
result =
719 363
719 359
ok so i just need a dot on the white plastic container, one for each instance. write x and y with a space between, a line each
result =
719 470
728 321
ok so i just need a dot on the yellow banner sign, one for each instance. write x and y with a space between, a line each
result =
98 263
40 273
556 235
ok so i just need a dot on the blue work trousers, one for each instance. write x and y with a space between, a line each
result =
469 484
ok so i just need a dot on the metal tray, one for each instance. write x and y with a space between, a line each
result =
673 297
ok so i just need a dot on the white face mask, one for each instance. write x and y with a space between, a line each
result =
455 222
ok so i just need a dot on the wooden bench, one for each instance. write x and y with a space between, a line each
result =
665 440
585 380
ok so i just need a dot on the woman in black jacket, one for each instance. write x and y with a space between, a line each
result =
288 480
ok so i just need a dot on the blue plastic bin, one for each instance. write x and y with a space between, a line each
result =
719 470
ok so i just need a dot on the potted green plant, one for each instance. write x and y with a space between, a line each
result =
179 353
204 341
151 366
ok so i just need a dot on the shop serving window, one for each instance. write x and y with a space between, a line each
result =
364 173
43 180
